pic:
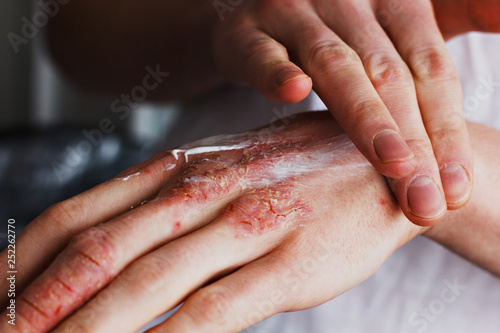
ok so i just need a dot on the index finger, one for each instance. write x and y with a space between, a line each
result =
340 80
439 93
49 233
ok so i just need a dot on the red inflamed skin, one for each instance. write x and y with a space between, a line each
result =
281 218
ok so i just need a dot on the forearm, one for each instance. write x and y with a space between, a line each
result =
474 231
106 45
457 17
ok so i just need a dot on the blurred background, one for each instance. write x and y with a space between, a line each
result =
42 119
52 145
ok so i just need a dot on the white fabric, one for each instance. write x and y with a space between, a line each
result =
414 276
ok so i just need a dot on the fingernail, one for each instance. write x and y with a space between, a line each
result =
288 75
424 198
455 182
390 146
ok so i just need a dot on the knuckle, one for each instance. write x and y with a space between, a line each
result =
210 303
265 210
385 70
95 245
363 113
264 46
446 133
32 315
331 54
432 64
146 276
64 214
74 326
421 147
209 184
160 165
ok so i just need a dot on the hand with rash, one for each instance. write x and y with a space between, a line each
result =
278 219
290 219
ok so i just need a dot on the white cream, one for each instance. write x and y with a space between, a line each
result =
213 144
325 156
129 176
283 160
201 150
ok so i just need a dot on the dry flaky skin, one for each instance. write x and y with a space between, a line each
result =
300 192
289 218
61 290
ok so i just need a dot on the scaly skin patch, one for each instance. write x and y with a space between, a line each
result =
267 209
262 173
65 285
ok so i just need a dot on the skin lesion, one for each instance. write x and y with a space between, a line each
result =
267 209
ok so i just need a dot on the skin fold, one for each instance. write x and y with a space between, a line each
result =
265 221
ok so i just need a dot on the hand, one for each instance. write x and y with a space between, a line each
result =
383 70
264 221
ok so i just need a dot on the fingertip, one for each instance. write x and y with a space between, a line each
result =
457 185
293 86
426 202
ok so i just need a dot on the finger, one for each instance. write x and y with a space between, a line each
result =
272 284
162 279
247 53
234 303
394 83
341 82
418 40
48 234
94 257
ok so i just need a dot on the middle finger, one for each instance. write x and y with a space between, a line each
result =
420 194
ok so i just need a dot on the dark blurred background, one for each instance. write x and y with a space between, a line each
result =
45 155
51 143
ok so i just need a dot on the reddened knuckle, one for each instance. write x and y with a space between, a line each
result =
331 54
385 70
211 303
432 63
30 314
95 244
